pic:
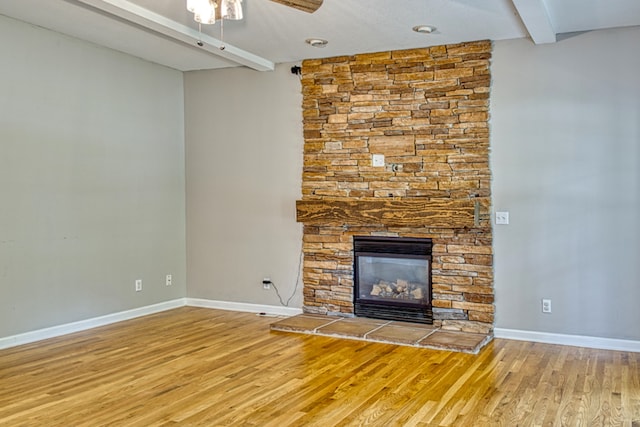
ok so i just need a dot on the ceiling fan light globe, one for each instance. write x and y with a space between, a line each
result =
204 11
208 20
231 9
206 15
194 6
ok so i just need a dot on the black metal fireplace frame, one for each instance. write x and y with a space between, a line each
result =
418 311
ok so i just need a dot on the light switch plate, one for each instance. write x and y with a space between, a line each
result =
377 160
502 218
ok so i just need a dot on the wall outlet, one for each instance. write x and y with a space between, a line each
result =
502 218
546 306
138 285
377 160
168 280
266 283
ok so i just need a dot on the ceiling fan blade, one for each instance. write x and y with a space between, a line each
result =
309 6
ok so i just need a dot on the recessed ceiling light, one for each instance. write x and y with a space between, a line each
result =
316 42
424 29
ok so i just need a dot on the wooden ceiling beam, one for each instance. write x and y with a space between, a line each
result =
308 6
132 13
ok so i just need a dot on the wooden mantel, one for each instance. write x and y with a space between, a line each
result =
433 213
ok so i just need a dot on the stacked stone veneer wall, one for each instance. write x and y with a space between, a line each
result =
426 111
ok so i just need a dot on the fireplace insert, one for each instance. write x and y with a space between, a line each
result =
392 278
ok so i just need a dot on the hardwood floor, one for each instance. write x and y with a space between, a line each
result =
193 366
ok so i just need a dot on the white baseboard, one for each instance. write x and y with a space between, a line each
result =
514 334
572 340
243 306
82 325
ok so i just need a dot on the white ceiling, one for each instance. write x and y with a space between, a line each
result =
163 31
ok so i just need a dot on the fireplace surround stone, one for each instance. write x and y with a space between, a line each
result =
426 111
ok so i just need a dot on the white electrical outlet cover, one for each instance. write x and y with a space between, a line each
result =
377 160
502 218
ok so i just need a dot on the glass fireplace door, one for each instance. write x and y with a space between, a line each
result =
392 278
399 279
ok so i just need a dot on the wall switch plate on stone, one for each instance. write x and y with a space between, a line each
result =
377 160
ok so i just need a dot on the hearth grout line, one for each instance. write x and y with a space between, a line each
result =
366 336
433 331
326 324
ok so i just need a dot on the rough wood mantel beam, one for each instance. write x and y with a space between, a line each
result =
441 213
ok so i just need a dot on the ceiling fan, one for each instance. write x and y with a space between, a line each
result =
209 11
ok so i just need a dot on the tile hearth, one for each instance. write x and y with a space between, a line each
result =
383 331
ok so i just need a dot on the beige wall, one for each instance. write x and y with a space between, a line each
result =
244 167
91 180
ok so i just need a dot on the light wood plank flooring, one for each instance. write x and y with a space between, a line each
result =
193 366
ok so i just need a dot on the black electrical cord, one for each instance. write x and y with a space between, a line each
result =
295 288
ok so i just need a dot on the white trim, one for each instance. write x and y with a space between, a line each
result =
82 325
535 17
573 340
514 334
243 306
156 23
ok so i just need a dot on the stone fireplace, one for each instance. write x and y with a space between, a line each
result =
425 111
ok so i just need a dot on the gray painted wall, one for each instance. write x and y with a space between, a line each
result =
565 158
565 137
91 180
244 172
